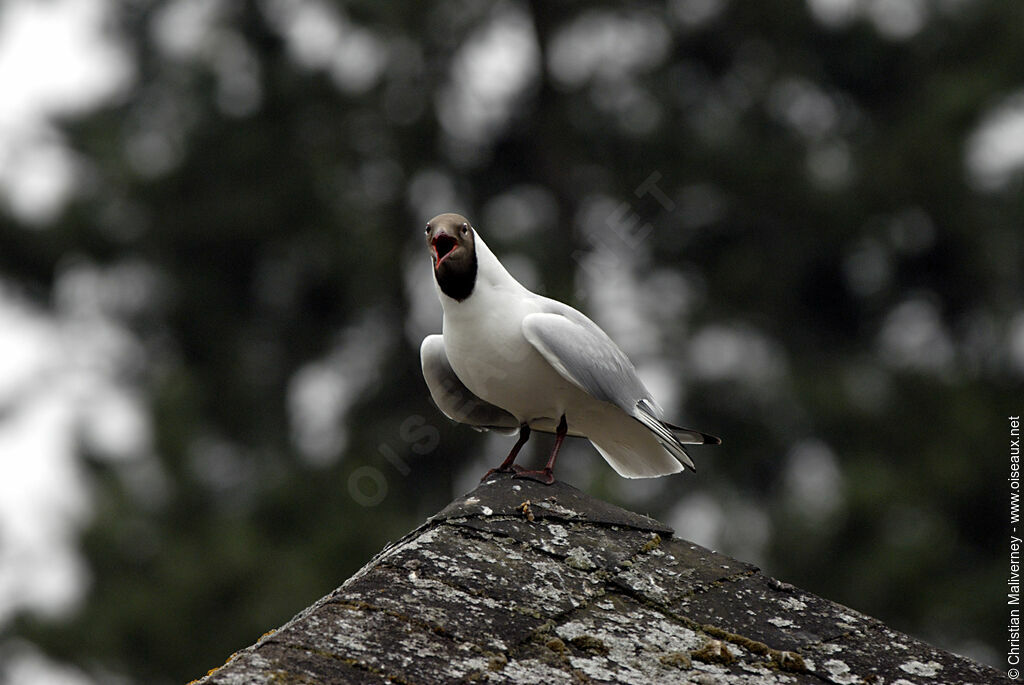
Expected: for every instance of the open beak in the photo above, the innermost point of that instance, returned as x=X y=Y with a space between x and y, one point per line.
x=443 y=245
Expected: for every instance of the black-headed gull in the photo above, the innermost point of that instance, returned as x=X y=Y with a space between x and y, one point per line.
x=508 y=360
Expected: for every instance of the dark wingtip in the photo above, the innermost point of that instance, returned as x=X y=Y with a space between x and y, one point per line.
x=712 y=440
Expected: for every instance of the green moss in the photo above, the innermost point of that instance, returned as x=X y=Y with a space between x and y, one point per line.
x=714 y=652
x=740 y=640
x=653 y=543
x=789 y=661
x=590 y=644
x=783 y=660
x=556 y=645
x=366 y=606
x=289 y=678
x=541 y=633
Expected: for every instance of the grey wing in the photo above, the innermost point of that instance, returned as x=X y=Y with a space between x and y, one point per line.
x=451 y=395
x=584 y=355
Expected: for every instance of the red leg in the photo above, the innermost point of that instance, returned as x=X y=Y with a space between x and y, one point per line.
x=508 y=466
x=547 y=475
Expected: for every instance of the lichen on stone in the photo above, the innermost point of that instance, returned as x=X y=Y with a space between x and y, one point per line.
x=579 y=558
x=584 y=594
x=927 y=670
x=676 y=659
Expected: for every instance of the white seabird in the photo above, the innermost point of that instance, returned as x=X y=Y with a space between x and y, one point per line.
x=510 y=359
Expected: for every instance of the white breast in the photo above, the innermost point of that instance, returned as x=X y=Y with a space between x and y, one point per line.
x=485 y=344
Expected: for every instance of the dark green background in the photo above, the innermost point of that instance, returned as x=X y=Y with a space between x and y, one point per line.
x=284 y=231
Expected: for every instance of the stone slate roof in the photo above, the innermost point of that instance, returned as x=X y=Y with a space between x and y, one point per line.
x=524 y=583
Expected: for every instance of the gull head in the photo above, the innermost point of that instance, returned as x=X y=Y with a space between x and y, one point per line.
x=451 y=242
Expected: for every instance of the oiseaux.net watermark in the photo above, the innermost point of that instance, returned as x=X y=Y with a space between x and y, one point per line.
x=1013 y=579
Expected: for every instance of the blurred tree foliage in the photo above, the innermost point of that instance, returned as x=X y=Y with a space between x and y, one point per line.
x=847 y=292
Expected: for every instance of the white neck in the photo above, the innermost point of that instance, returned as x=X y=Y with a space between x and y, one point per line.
x=490 y=271
x=491 y=278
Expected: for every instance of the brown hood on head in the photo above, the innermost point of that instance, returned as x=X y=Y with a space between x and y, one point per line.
x=450 y=239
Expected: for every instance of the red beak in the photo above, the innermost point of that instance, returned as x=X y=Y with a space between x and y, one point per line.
x=443 y=245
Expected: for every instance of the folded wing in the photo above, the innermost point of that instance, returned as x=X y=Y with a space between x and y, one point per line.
x=584 y=355
x=453 y=398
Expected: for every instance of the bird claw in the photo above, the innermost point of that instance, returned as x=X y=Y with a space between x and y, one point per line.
x=545 y=476
x=514 y=469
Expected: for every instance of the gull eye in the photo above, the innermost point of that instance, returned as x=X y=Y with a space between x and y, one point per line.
x=427 y=229
x=465 y=229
